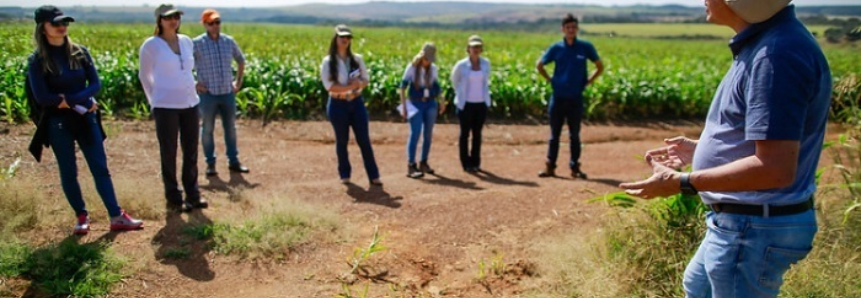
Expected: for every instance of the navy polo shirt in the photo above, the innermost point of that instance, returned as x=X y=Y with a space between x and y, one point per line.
x=570 y=75
x=778 y=88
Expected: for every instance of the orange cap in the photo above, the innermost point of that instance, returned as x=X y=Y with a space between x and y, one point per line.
x=209 y=15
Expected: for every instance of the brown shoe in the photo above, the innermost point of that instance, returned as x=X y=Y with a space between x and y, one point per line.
x=577 y=173
x=549 y=170
x=413 y=171
x=425 y=168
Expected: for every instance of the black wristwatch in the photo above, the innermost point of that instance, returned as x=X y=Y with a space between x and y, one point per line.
x=685 y=184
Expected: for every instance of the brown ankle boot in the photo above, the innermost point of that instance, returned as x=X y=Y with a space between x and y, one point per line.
x=425 y=168
x=413 y=171
x=549 y=170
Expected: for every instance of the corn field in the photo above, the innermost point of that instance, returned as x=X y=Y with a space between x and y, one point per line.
x=644 y=78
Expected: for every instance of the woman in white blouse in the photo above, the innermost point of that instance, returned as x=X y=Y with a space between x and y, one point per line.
x=166 y=61
x=344 y=75
x=471 y=80
x=419 y=91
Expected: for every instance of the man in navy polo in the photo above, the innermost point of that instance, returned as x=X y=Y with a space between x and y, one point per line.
x=568 y=82
x=755 y=163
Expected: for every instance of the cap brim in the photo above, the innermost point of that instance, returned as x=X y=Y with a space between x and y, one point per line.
x=475 y=43
x=63 y=18
x=172 y=12
x=345 y=34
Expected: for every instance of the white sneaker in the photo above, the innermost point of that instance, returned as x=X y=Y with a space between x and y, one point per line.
x=125 y=222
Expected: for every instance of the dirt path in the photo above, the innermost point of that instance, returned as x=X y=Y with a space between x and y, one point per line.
x=437 y=228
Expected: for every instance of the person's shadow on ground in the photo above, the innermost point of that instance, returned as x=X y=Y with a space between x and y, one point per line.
x=374 y=195
x=184 y=244
x=490 y=177
x=234 y=186
x=446 y=181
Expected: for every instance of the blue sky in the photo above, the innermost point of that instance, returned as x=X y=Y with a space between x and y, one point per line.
x=265 y=3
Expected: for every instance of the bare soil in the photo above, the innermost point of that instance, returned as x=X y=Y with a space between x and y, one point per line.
x=437 y=229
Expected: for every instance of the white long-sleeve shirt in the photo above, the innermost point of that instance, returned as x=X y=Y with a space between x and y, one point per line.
x=460 y=81
x=343 y=72
x=167 y=77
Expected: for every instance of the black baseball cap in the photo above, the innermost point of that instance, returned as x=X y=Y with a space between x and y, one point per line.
x=50 y=13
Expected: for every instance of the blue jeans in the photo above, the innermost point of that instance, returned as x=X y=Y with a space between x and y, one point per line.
x=562 y=110
x=746 y=256
x=224 y=105
x=62 y=142
x=346 y=114
x=425 y=118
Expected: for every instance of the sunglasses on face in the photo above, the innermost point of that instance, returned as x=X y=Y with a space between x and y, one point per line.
x=214 y=23
x=60 y=24
x=172 y=17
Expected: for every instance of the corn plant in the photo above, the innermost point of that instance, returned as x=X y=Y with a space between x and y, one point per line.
x=361 y=255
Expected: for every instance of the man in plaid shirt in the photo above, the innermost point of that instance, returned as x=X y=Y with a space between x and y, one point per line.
x=213 y=52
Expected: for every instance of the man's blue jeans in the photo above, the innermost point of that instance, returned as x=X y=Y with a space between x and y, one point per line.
x=346 y=114
x=225 y=106
x=562 y=110
x=62 y=142
x=424 y=119
x=746 y=256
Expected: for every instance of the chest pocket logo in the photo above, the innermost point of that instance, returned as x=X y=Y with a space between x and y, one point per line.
x=581 y=57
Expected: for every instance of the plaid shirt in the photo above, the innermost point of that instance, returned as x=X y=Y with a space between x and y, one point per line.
x=212 y=61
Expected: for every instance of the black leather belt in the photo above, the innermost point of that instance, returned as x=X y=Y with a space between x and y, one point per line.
x=759 y=210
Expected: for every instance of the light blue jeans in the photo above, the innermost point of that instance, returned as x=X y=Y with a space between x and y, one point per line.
x=421 y=124
x=224 y=105
x=746 y=256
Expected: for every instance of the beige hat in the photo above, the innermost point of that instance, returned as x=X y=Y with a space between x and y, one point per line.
x=166 y=10
x=428 y=52
x=474 y=40
x=756 y=11
x=343 y=30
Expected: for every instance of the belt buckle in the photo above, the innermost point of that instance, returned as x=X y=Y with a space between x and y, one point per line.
x=716 y=207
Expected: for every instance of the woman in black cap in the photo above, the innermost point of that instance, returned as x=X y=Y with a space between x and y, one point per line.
x=344 y=75
x=166 y=61
x=63 y=81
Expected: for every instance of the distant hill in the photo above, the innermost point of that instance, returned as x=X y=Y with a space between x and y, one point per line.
x=456 y=14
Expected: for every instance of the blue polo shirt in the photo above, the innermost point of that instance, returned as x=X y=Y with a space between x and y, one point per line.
x=570 y=75
x=778 y=88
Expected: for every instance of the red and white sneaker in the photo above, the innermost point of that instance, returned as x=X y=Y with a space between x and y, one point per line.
x=125 y=222
x=83 y=225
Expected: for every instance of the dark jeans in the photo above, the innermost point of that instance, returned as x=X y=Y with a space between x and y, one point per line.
x=63 y=143
x=560 y=111
x=225 y=106
x=168 y=124
x=343 y=115
x=472 y=119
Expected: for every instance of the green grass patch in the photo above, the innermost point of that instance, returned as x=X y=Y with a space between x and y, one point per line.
x=67 y=268
x=19 y=207
x=271 y=235
x=13 y=256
